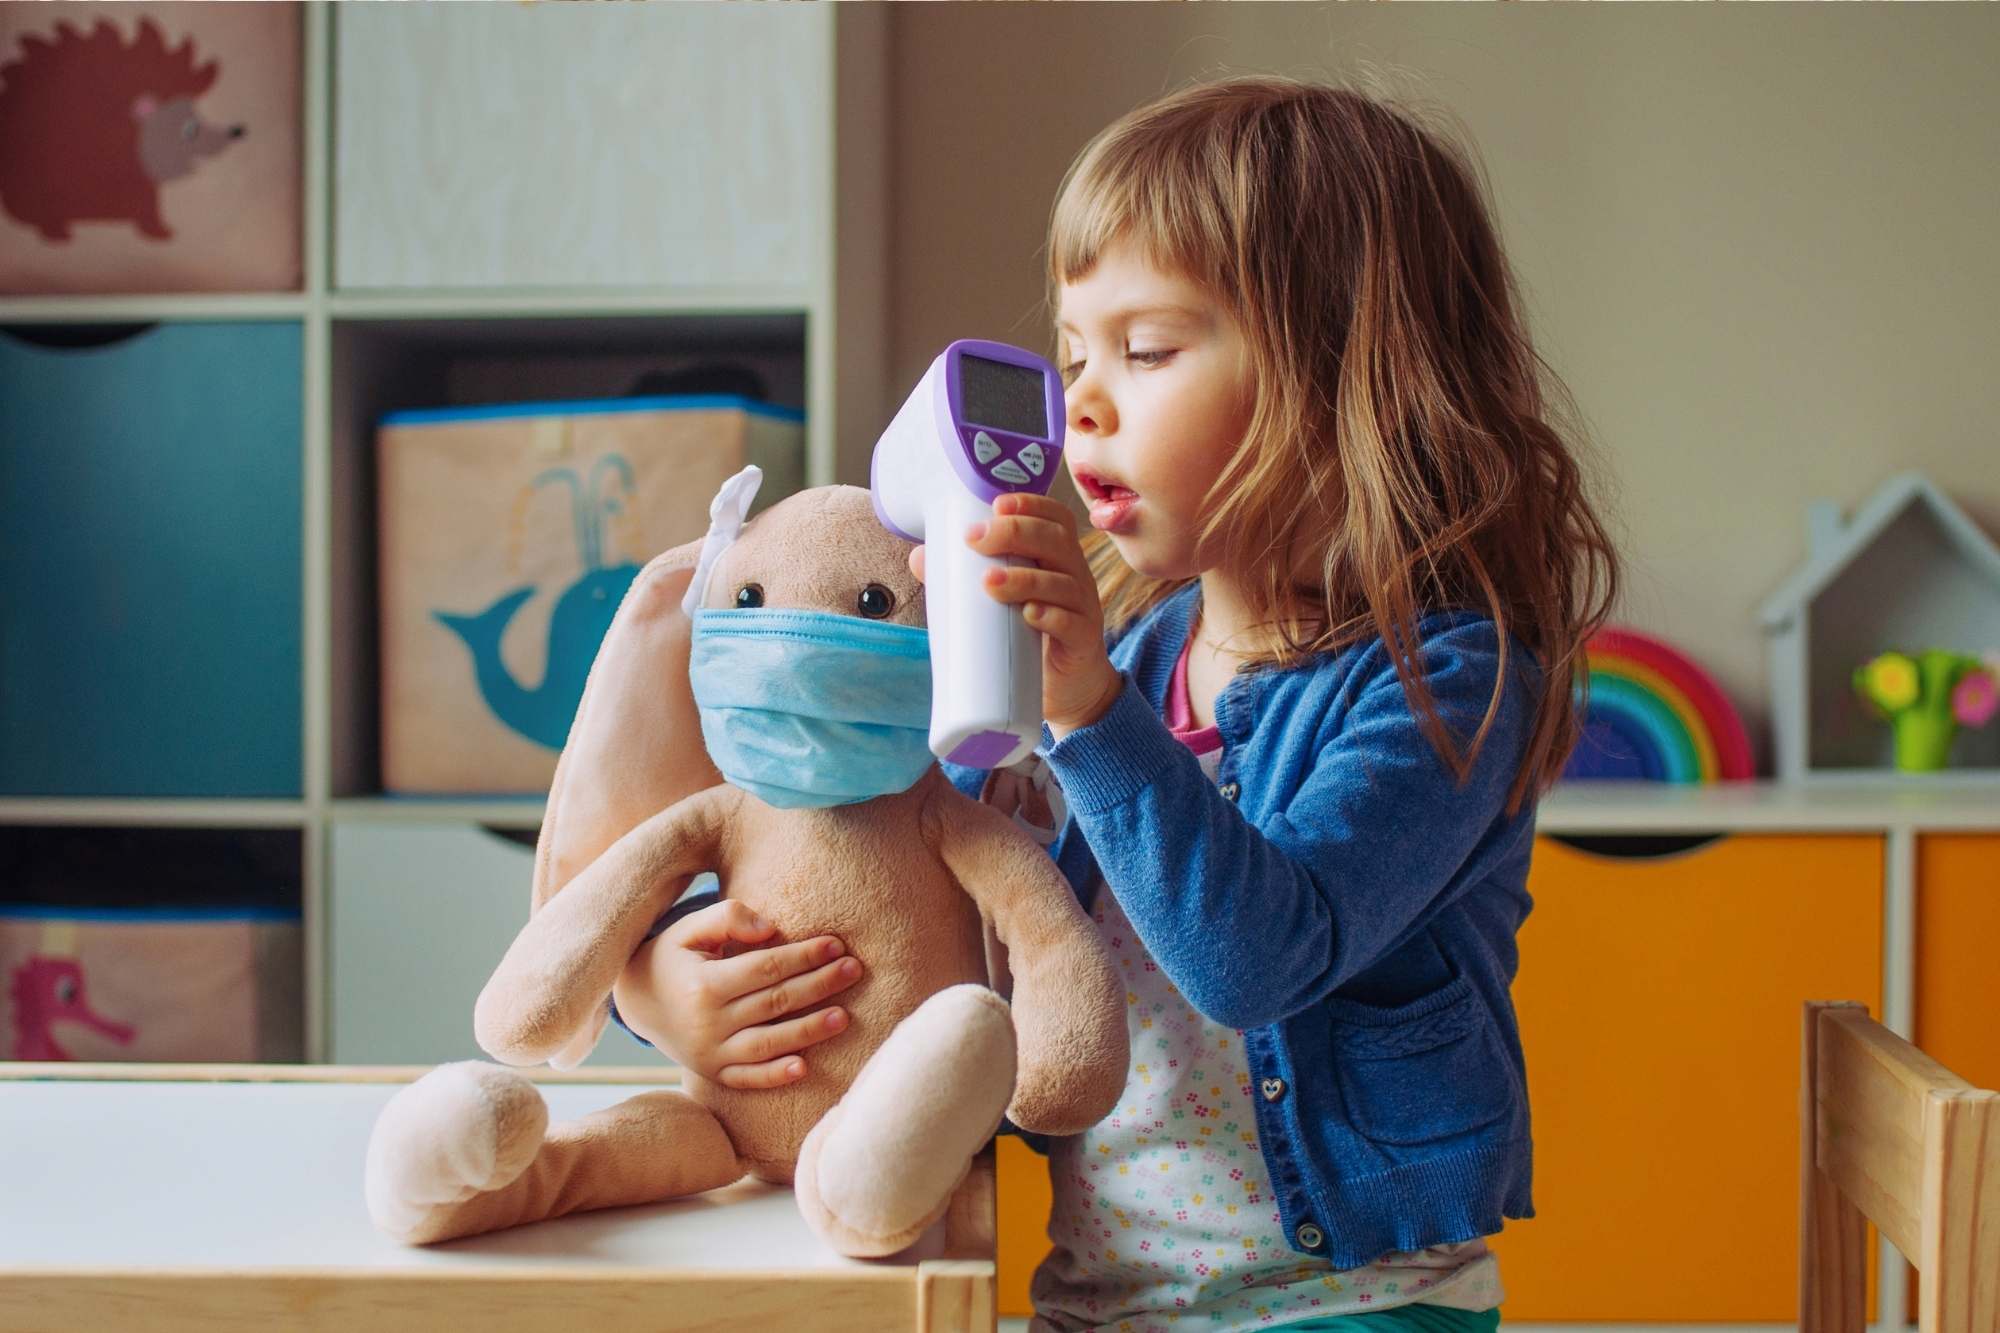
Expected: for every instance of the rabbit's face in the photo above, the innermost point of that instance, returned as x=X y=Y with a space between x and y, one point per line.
x=820 y=550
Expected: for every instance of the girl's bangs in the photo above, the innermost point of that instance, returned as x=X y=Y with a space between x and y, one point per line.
x=1088 y=217
x=1153 y=198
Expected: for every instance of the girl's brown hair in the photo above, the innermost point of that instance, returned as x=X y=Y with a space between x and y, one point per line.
x=1406 y=446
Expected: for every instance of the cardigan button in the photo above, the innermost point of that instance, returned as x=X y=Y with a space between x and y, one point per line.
x=1272 y=1088
x=1309 y=1236
x=1229 y=791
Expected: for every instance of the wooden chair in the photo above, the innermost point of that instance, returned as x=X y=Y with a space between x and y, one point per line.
x=1891 y=1136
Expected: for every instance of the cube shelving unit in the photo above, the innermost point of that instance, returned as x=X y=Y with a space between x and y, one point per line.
x=502 y=203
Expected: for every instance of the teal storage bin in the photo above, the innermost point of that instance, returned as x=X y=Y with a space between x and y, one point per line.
x=150 y=561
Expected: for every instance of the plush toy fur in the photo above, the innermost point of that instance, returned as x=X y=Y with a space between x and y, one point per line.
x=883 y=1128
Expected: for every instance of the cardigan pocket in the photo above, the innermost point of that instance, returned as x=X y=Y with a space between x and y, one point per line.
x=1423 y=1071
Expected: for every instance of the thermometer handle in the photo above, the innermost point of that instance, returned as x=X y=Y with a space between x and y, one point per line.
x=986 y=663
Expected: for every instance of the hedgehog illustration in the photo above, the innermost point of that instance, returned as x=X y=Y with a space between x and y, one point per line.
x=90 y=128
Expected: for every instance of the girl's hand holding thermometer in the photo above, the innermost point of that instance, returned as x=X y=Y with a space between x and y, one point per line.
x=1057 y=596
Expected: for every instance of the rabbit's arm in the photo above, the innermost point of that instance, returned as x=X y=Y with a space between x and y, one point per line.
x=1069 y=1008
x=553 y=981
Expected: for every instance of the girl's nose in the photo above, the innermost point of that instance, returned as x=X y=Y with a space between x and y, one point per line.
x=1090 y=410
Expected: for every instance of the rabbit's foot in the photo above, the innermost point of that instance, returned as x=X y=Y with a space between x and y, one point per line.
x=882 y=1165
x=459 y=1131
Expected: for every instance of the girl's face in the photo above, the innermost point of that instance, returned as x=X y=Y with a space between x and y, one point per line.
x=1158 y=401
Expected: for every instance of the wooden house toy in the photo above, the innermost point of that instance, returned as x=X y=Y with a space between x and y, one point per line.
x=1907 y=571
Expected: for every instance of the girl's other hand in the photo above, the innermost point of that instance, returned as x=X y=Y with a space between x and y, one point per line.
x=732 y=1013
x=1057 y=596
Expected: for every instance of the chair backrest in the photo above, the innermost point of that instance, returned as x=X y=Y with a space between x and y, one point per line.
x=1891 y=1136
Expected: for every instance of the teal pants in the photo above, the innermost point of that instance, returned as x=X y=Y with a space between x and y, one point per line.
x=1403 y=1319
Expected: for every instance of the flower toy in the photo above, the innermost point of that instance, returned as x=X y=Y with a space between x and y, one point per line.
x=1926 y=697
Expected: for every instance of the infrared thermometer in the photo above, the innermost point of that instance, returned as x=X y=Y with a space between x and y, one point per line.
x=985 y=419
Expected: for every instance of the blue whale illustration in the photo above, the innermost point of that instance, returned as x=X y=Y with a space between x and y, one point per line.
x=581 y=618
x=582 y=615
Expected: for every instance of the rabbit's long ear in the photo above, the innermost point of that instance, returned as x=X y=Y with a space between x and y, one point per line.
x=635 y=746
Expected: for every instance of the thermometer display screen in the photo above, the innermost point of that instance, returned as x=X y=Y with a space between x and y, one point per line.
x=1003 y=397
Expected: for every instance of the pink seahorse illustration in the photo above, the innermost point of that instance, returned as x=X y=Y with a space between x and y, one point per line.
x=47 y=991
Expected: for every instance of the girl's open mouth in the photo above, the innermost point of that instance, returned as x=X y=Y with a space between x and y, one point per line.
x=1111 y=503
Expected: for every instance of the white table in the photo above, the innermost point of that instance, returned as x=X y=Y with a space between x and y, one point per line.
x=174 y=1197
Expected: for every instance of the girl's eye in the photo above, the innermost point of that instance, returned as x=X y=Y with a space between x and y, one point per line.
x=876 y=601
x=749 y=595
x=1152 y=358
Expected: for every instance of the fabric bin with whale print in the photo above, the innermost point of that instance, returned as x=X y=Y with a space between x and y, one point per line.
x=508 y=536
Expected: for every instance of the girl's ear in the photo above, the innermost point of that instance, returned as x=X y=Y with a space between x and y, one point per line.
x=635 y=747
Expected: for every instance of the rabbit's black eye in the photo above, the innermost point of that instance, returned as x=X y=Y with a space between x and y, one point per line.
x=749 y=595
x=876 y=601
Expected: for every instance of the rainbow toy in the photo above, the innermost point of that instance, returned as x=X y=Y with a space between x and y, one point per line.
x=1653 y=715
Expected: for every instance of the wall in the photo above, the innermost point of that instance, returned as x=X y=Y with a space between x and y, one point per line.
x=1756 y=241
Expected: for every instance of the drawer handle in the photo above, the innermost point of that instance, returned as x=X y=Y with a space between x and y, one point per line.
x=1635 y=846
x=75 y=337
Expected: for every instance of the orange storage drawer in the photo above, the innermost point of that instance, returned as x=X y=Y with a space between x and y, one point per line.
x=1958 y=954
x=1021 y=1177
x=1958 y=945
x=1659 y=1000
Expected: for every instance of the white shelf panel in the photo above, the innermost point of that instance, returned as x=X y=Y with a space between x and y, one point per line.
x=152 y=309
x=458 y=159
x=175 y=813
x=1573 y=808
x=508 y=812
x=161 y=1206
x=492 y=303
x=1769 y=807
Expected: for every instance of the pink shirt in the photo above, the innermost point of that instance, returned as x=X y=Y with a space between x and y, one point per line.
x=1180 y=710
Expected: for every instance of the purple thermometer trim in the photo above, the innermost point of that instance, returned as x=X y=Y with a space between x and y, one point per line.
x=983 y=749
x=952 y=412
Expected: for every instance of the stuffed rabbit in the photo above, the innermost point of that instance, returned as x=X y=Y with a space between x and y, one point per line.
x=759 y=709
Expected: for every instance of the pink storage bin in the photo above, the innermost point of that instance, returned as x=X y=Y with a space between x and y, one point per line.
x=156 y=944
x=136 y=985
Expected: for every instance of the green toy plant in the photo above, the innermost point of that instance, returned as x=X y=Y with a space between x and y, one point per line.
x=1926 y=697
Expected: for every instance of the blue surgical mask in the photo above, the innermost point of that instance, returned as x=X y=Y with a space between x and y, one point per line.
x=806 y=708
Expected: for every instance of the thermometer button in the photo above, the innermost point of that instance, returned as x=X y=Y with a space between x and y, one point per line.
x=1010 y=471
x=984 y=448
x=1032 y=458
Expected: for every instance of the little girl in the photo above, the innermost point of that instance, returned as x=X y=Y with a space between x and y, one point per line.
x=1303 y=686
